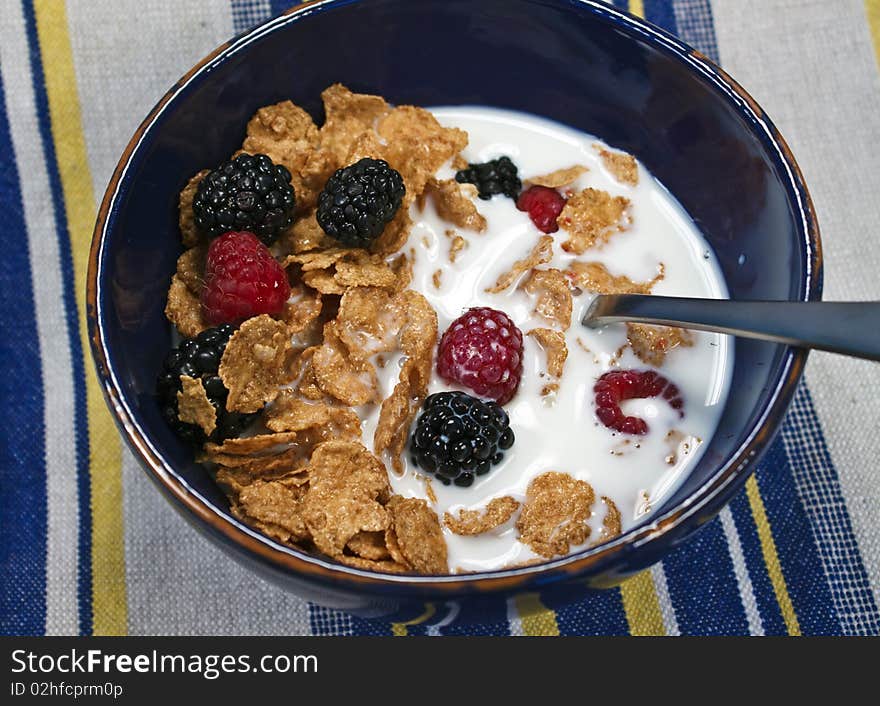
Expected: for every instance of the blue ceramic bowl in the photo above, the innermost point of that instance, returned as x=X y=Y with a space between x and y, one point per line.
x=580 y=63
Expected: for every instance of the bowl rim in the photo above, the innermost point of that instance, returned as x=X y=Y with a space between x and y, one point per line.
x=701 y=505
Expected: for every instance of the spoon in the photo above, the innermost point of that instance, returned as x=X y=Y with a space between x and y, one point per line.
x=851 y=328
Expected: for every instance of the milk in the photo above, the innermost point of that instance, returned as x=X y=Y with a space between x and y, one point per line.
x=561 y=432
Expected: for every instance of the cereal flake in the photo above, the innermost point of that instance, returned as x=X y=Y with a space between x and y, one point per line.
x=555 y=514
x=417 y=146
x=554 y=295
x=652 y=343
x=419 y=536
x=287 y=135
x=559 y=178
x=276 y=507
x=191 y=268
x=591 y=217
x=348 y=116
x=621 y=165
x=184 y=309
x=611 y=526
x=471 y=522
x=346 y=485
x=456 y=246
x=540 y=255
x=454 y=205
x=292 y=413
x=189 y=234
x=595 y=277
x=248 y=445
x=553 y=343
x=253 y=364
x=193 y=405
x=418 y=337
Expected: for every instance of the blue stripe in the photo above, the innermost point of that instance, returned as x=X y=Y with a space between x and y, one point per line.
x=661 y=14
x=81 y=438
x=765 y=596
x=279 y=6
x=702 y=585
x=801 y=566
x=326 y=621
x=621 y=4
x=818 y=487
x=22 y=443
x=696 y=26
x=480 y=616
x=600 y=613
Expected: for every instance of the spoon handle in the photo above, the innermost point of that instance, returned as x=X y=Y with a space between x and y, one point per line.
x=851 y=328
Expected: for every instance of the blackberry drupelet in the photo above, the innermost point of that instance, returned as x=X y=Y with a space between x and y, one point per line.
x=498 y=176
x=359 y=200
x=199 y=357
x=250 y=193
x=458 y=437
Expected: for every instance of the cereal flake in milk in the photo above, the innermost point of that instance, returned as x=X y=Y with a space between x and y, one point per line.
x=558 y=430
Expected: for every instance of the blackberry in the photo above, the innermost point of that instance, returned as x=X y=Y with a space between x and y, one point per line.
x=458 y=437
x=199 y=357
x=498 y=176
x=250 y=193
x=358 y=200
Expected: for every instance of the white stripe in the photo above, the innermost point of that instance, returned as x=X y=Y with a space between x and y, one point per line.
x=179 y=583
x=667 y=611
x=740 y=570
x=513 y=620
x=52 y=331
x=123 y=71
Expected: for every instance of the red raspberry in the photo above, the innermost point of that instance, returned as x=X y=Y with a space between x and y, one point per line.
x=614 y=387
x=482 y=350
x=543 y=205
x=242 y=280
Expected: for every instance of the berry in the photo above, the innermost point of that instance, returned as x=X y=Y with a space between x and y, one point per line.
x=482 y=350
x=495 y=177
x=199 y=357
x=358 y=200
x=458 y=437
x=614 y=387
x=242 y=280
x=543 y=205
x=249 y=192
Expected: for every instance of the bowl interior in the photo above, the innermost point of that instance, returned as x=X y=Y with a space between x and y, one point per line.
x=562 y=59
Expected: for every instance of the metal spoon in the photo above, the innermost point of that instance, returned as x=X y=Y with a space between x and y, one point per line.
x=851 y=328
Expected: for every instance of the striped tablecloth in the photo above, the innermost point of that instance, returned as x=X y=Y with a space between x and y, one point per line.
x=88 y=546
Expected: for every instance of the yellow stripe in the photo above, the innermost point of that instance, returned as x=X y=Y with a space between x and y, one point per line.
x=399 y=629
x=637 y=7
x=641 y=605
x=771 y=558
x=536 y=618
x=105 y=462
x=872 y=10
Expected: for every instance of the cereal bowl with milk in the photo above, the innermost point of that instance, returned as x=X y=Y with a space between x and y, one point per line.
x=640 y=167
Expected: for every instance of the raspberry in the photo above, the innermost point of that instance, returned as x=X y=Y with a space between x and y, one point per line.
x=614 y=387
x=498 y=176
x=199 y=357
x=242 y=280
x=458 y=437
x=482 y=350
x=543 y=205
x=359 y=200
x=250 y=193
